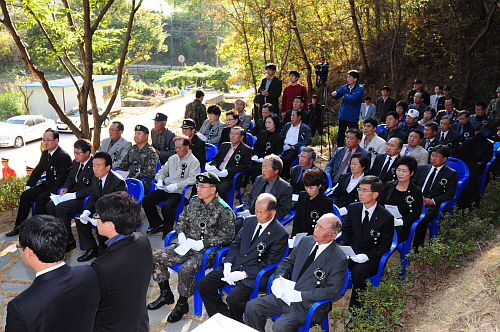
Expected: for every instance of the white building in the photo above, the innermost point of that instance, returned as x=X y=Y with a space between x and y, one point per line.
x=66 y=95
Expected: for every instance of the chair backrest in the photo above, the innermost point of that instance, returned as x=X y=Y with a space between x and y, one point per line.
x=462 y=172
x=211 y=151
x=250 y=140
x=158 y=167
x=328 y=181
x=135 y=189
x=380 y=127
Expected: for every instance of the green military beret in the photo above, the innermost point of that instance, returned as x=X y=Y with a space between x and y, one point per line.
x=208 y=177
x=142 y=128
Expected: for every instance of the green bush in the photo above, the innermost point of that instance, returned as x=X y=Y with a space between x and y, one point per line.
x=11 y=103
x=173 y=91
x=10 y=191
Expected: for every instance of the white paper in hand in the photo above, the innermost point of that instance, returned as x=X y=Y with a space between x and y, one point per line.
x=393 y=209
x=255 y=158
x=171 y=187
x=182 y=249
x=295 y=197
x=276 y=288
x=123 y=174
x=223 y=173
x=202 y=137
x=343 y=211
x=244 y=214
x=398 y=222
x=348 y=250
x=210 y=168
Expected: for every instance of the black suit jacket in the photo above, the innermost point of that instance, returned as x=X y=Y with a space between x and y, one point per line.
x=304 y=134
x=468 y=131
x=444 y=186
x=114 y=182
x=259 y=126
x=245 y=257
x=224 y=136
x=199 y=150
x=49 y=303
x=268 y=143
x=281 y=190
x=305 y=117
x=340 y=196
x=123 y=271
x=452 y=140
x=274 y=91
x=378 y=164
x=298 y=186
x=57 y=169
x=385 y=107
x=83 y=187
x=308 y=209
x=240 y=159
x=364 y=242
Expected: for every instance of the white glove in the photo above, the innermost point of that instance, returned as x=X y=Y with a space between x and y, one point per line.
x=286 y=147
x=172 y=187
x=227 y=269
x=84 y=217
x=28 y=187
x=181 y=238
x=261 y=160
x=343 y=211
x=183 y=248
x=93 y=221
x=276 y=288
x=234 y=277
x=159 y=183
x=255 y=158
x=290 y=296
x=398 y=222
x=244 y=213
x=223 y=173
x=196 y=245
x=360 y=258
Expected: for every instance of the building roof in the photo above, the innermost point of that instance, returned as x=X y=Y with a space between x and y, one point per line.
x=67 y=82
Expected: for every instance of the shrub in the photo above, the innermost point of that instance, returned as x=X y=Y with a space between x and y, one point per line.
x=173 y=91
x=10 y=191
x=11 y=103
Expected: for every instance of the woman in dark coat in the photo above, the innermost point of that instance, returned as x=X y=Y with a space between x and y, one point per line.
x=347 y=189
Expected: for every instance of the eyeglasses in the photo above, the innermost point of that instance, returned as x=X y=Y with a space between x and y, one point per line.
x=19 y=246
x=363 y=190
x=78 y=153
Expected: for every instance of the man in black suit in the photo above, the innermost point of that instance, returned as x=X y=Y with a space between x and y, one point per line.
x=124 y=268
x=368 y=229
x=78 y=186
x=318 y=270
x=49 y=303
x=448 y=136
x=260 y=125
x=306 y=161
x=385 y=104
x=261 y=242
x=438 y=183
x=271 y=87
x=233 y=157
x=296 y=135
x=463 y=127
x=105 y=181
x=392 y=129
x=430 y=139
x=383 y=166
x=56 y=163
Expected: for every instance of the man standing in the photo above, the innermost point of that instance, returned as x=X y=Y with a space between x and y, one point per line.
x=463 y=127
x=56 y=164
x=414 y=149
x=448 y=136
x=367 y=109
x=383 y=166
x=178 y=172
x=207 y=221
x=316 y=116
x=123 y=268
x=296 y=135
x=196 y=110
x=116 y=145
x=198 y=148
x=318 y=270
x=105 y=181
x=49 y=303
x=293 y=90
x=385 y=103
x=417 y=87
x=140 y=161
x=437 y=99
x=368 y=229
x=353 y=93
x=261 y=242
x=306 y=161
x=449 y=110
x=480 y=116
x=494 y=106
x=78 y=186
x=447 y=95
x=371 y=142
x=271 y=86
x=162 y=138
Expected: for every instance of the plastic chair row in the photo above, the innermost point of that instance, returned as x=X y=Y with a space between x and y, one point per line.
x=484 y=177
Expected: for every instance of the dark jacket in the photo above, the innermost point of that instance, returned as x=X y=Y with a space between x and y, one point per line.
x=340 y=196
x=304 y=134
x=306 y=217
x=268 y=143
x=167 y=147
x=274 y=91
x=281 y=190
x=56 y=169
x=114 y=182
x=379 y=163
x=240 y=159
x=83 y=187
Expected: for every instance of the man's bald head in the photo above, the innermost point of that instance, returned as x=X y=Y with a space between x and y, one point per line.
x=326 y=229
x=265 y=207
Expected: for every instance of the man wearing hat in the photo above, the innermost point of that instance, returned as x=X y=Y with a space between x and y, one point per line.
x=178 y=172
x=197 y=144
x=162 y=138
x=494 y=107
x=411 y=121
x=447 y=95
x=385 y=104
x=140 y=161
x=207 y=221
x=417 y=87
x=115 y=144
x=196 y=110
x=6 y=170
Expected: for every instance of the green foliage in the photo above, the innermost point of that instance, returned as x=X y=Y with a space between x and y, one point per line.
x=199 y=74
x=316 y=140
x=10 y=191
x=11 y=103
x=173 y=91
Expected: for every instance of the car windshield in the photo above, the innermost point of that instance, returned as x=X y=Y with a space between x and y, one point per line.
x=73 y=112
x=15 y=121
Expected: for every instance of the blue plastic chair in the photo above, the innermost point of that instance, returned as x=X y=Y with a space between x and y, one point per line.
x=295 y=162
x=250 y=140
x=328 y=182
x=462 y=178
x=198 y=303
x=230 y=194
x=135 y=189
x=211 y=151
x=158 y=167
x=380 y=127
x=287 y=218
x=484 y=177
x=404 y=247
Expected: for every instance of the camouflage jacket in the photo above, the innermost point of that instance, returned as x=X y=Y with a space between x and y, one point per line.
x=494 y=109
x=140 y=163
x=197 y=111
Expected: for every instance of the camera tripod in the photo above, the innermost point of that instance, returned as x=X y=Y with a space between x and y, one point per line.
x=323 y=100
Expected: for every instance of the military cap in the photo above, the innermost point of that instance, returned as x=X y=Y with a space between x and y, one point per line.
x=5 y=160
x=188 y=124
x=160 y=117
x=28 y=168
x=413 y=113
x=142 y=128
x=208 y=177
x=498 y=89
x=417 y=81
x=385 y=87
x=447 y=88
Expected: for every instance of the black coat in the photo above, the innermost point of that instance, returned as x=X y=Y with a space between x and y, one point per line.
x=274 y=91
x=468 y=132
x=306 y=217
x=199 y=150
x=340 y=196
x=56 y=170
x=83 y=187
x=378 y=164
x=240 y=159
x=114 y=182
x=298 y=186
x=451 y=140
x=262 y=148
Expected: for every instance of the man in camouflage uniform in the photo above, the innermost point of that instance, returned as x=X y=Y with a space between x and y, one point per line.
x=207 y=221
x=494 y=107
x=141 y=159
x=196 y=110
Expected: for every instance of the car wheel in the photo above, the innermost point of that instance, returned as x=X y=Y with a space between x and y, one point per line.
x=18 y=142
x=105 y=123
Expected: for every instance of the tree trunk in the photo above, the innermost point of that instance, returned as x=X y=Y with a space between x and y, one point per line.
x=303 y=54
x=359 y=41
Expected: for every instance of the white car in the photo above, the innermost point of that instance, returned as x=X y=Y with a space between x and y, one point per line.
x=74 y=115
x=23 y=128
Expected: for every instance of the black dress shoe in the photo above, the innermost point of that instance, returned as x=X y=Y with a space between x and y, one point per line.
x=154 y=230
x=88 y=255
x=13 y=232
x=164 y=298
x=178 y=312
x=70 y=246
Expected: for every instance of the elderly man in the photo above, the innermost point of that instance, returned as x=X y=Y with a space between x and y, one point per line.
x=207 y=221
x=123 y=269
x=306 y=161
x=430 y=141
x=261 y=242
x=245 y=119
x=318 y=270
x=418 y=104
x=196 y=110
x=448 y=136
x=383 y=166
x=414 y=149
x=140 y=161
x=340 y=162
x=49 y=303
x=197 y=144
x=371 y=142
x=56 y=164
x=299 y=103
x=115 y=144
x=232 y=158
x=77 y=187
x=178 y=172
x=162 y=138
x=449 y=110
x=463 y=127
x=296 y=135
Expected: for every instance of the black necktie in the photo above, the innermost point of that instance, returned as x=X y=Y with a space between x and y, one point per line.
x=256 y=235
x=78 y=172
x=366 y=220
x=263 y=190
x=100 y=187
x=429 y=182
x=383 y=172
x=308 y=261
x=442 y=137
